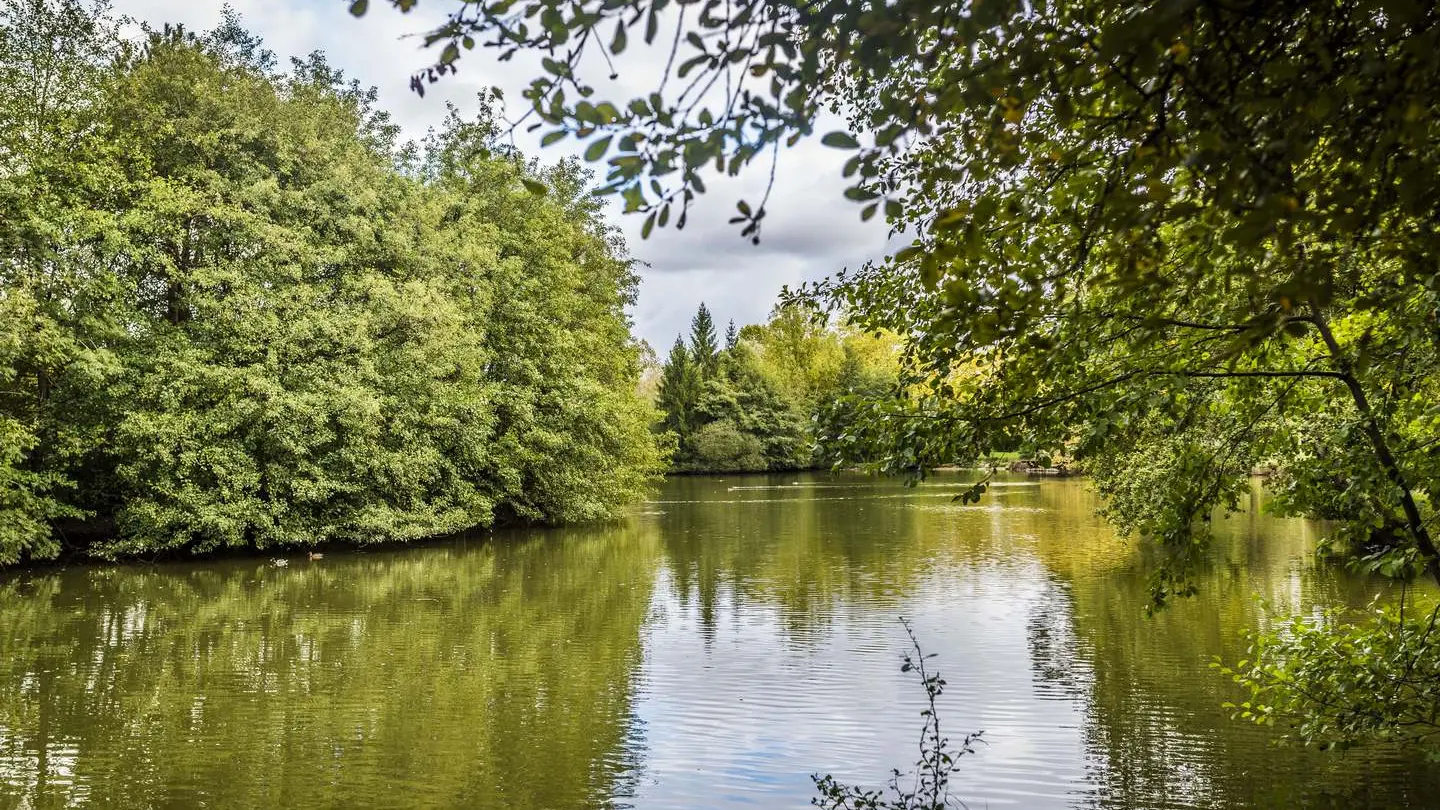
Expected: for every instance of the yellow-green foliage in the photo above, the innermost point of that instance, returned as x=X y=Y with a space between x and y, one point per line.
x=755 y=406
x=810 y=358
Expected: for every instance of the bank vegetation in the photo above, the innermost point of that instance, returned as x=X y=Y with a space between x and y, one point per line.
x=240 y=312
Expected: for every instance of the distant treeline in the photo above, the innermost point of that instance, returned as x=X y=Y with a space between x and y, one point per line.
x=238 y=312
x=760 y=400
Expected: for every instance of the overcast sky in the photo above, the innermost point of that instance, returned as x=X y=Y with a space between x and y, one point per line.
x=811 y=231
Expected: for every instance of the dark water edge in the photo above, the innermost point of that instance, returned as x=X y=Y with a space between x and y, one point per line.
x=73 y=554
x=734 y=636
x=78 y=536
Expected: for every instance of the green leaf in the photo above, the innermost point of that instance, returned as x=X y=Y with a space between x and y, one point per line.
x=909 y=253
x=840 y=140
x=597 y=149
x=534 y=186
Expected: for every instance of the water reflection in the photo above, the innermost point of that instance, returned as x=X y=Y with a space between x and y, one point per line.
x=1155 y=730
x=734 y=637
x=458 y=676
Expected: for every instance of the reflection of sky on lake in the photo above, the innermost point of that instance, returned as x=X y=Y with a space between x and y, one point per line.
x=752 y=681
x=712 y=652
x=744 y=716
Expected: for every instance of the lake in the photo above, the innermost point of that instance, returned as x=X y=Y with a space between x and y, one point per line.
x=735 y=636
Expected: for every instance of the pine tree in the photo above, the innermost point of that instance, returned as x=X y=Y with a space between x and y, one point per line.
x=679 y=391
x=702 y=342
x=732 y=336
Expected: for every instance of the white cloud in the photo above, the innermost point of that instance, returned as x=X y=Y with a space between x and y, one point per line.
x=810 y=230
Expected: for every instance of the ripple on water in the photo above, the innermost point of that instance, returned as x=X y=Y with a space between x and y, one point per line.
x=734 y=638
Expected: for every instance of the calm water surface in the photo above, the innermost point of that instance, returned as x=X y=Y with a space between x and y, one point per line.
x=734 y=637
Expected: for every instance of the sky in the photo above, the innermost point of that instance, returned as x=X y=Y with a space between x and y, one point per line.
x=811 y=231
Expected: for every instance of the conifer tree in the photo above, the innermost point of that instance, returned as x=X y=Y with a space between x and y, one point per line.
x=702 y=342
x=679 y=390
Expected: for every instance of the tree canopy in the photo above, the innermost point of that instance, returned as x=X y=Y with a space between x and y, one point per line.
x=240 y=313
x=761 y=402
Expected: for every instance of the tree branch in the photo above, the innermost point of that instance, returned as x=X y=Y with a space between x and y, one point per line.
x=1386 y=458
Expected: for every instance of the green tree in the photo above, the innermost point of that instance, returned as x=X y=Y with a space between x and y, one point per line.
x=771 y=385
x=303 y=422
x=703 y=349
x=732 y=414
x=744 y=396
x=251 y=318
x=679 y=392
x=800 y=353
x=55 y=353
x=814 y=358
x=721 y=446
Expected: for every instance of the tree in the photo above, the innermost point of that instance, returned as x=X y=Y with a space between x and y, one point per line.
x=702 y=342
x=253 y=319
x=726 y=416
x=679 y=392
x=800 y=353
x=1169 y=240
x=772 y=384
x=721 y=446
x=54 y=356
x=749 y=399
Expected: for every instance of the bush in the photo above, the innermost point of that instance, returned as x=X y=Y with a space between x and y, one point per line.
x=722 y=447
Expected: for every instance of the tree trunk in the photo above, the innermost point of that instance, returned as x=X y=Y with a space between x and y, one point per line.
x=1376 y=435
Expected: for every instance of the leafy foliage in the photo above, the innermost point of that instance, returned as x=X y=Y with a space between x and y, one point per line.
x=751 y=406
x=720 y=446
x=702 y=342
x=1182 y=103
x=250 y=318
x=929 y=787
x=679 y=391
x=1334 y=682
